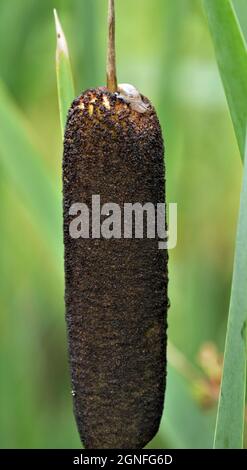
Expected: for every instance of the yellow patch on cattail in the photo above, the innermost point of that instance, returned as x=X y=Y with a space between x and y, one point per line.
x=106 y=102
x=90 y=109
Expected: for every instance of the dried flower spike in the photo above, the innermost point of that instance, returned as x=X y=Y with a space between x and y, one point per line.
x=116 y=288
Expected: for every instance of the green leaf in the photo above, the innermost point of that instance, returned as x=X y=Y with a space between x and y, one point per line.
x=231 y=54
x=230 y=420
x=65 y=84
x=25 y=168
x=240 y=6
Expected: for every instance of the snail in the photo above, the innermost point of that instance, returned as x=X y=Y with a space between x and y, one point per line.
x=130 y=95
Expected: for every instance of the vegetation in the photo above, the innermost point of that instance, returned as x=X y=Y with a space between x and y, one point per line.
x=173 y=64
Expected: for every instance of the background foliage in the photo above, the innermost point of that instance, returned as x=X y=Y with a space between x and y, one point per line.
x=164 y=48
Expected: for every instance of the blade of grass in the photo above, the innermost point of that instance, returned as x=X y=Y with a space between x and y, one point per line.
x=231 y=54
x=240 y=6
x=65 y=84
x=231 y=410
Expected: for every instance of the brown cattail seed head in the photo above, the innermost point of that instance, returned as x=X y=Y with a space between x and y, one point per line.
x=116 y=289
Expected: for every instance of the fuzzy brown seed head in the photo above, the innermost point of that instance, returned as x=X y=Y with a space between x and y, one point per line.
x=116 y=289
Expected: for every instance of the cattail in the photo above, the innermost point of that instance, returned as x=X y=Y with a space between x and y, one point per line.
x=116 y=288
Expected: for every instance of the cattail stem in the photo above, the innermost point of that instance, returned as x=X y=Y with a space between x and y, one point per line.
x=111 y=50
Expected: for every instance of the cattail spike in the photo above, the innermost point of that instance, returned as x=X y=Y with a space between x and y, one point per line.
x=115 y=286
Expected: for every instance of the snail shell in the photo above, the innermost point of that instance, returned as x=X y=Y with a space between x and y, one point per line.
x=129 y=94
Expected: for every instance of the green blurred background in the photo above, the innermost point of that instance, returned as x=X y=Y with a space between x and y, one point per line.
x=163 y=48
